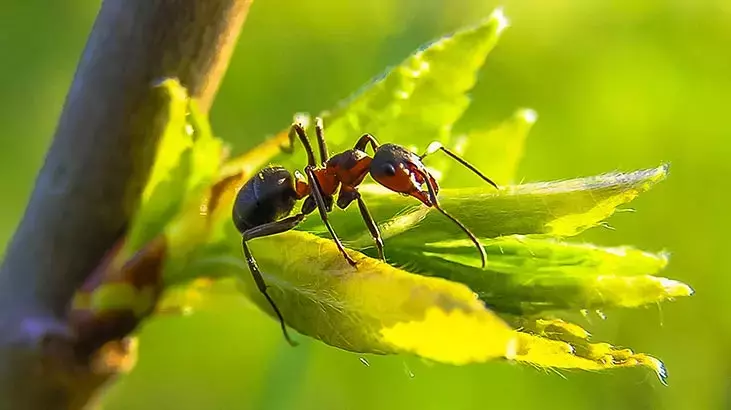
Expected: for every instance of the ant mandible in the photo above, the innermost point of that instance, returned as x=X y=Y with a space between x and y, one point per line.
x=263 y=203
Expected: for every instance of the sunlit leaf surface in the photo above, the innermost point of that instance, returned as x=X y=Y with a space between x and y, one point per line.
x=559 y=208
x=188 y=157
x=527 y=275
x=375 y=308
x=496 y=151
x=562 y=345
x=418 y=100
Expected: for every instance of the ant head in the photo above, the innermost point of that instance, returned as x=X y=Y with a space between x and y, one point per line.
x=402 y=171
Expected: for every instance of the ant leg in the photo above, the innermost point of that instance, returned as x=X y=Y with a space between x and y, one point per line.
x=316 y=192
x=473 y=238
x=297 y=130
x=372 y=227
x=271 y=228
x=364 y=140
x=256 y=274
x=319 y=131
x=436 y=145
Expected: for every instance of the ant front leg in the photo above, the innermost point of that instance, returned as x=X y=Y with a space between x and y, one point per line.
x=295 y=131
x=271 y=228
x=316 y=192
x=320 y=133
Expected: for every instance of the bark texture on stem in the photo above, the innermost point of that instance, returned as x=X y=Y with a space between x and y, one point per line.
x=94 y=172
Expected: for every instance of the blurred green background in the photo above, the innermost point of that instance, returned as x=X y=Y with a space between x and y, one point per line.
x=617 y=85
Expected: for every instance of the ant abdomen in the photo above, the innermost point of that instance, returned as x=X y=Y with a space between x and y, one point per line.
x=267 y=197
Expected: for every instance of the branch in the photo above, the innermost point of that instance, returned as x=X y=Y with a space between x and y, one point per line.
x=94 y=173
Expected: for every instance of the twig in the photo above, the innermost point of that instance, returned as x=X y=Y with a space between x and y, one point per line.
x=94 y=173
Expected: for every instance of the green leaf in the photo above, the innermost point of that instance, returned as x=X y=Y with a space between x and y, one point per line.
x=206 y=151
x=165 y=188
x=380 y=309
x=526 y=275
x=495 y=151
x=419 y=100
x=559 y=208
x=375 y=308
x=188 y=157
x=552 y=343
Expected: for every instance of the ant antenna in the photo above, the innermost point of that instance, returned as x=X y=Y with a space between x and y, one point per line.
x=473 y=238
x=436 y=146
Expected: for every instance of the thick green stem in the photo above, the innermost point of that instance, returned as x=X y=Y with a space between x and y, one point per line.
x=93 y=176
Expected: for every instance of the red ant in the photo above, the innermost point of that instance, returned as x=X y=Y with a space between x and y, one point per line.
x=263 y=203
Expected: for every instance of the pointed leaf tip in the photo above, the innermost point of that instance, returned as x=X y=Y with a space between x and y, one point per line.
x=498 y=15
x=419 y=100
x=559 y=344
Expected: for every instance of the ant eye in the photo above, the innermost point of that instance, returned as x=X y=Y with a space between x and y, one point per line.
x=388 y=169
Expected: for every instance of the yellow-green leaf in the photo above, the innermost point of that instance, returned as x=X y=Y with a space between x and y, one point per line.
x=528 y=275
x=418 y=100
x=188 y=157
x=558 y=208
x=495 y=151
x=375 y=308
x=558 y=344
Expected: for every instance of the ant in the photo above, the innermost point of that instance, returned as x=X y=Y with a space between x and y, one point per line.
x=264 y=202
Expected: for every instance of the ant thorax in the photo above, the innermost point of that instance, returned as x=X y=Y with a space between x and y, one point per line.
x=349 y=167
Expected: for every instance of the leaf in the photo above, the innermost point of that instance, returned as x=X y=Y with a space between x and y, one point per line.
x=165 y=188
x=551 y=343
x=188 y=156
x=380 y=309
x=375 y=308
x=527 y=275
x=420 y=99
x=495 y=151
x=559 y=208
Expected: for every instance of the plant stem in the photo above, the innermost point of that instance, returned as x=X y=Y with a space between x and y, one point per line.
x=93 y=175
